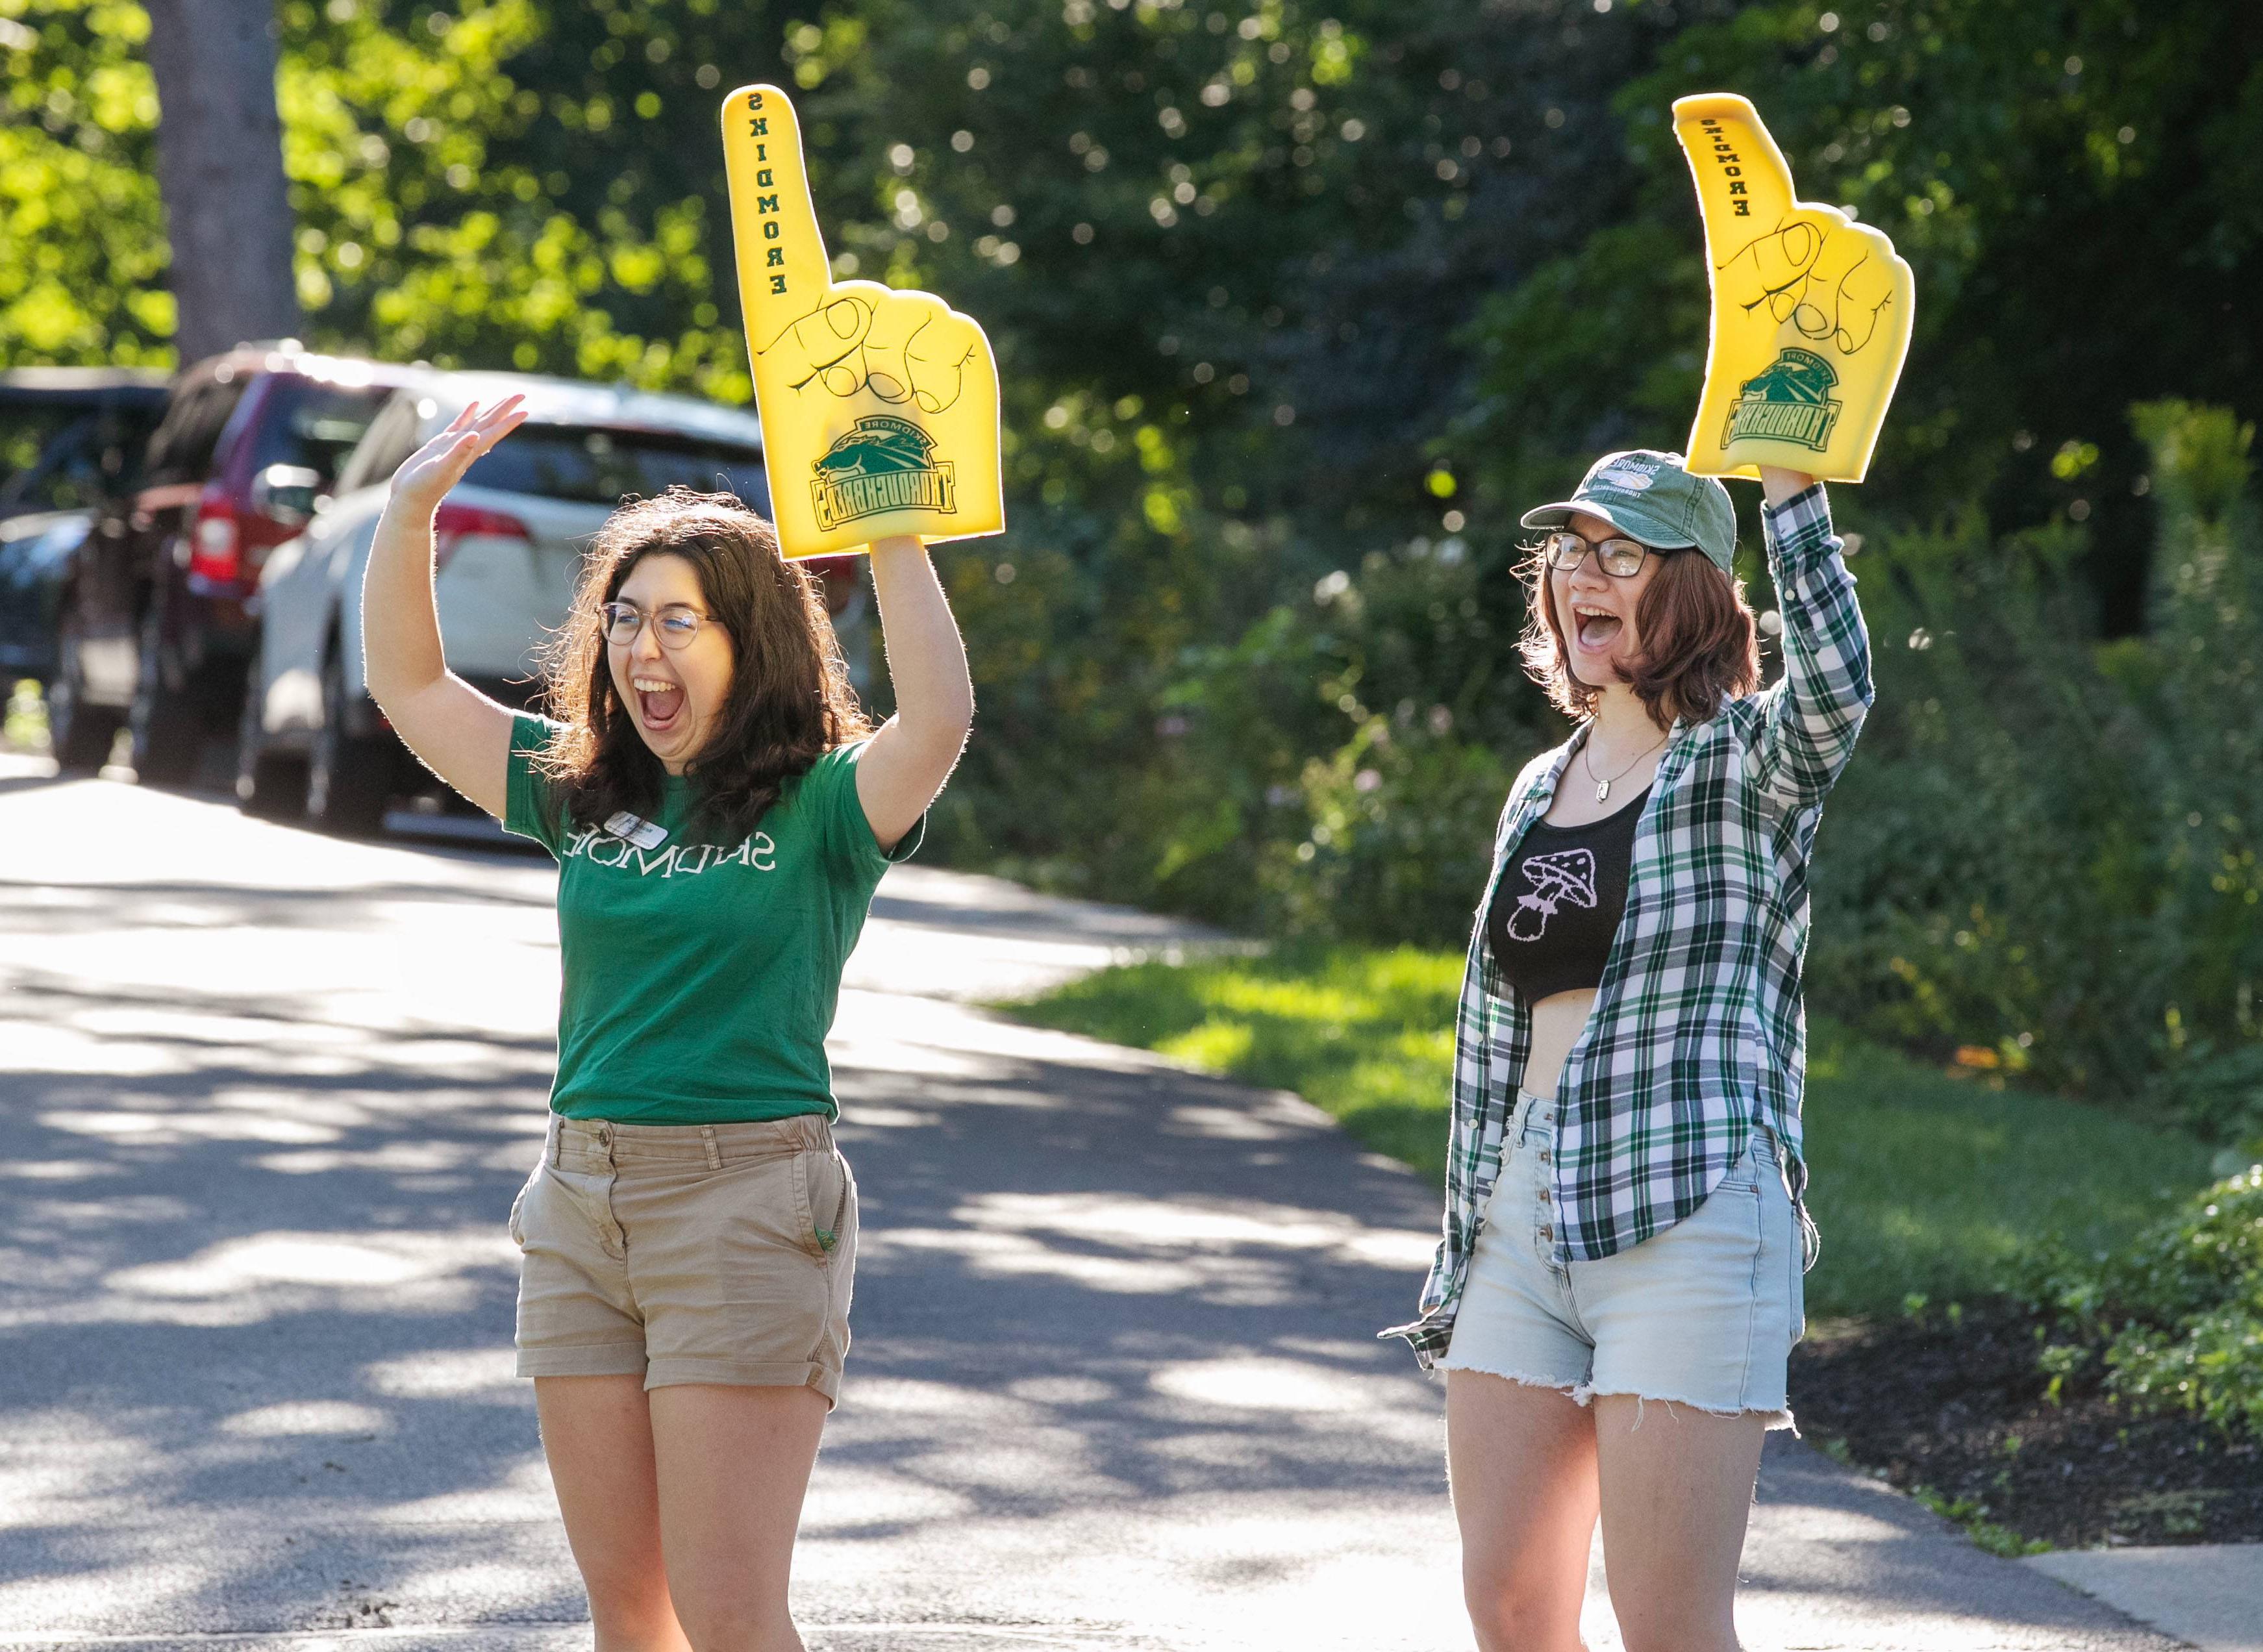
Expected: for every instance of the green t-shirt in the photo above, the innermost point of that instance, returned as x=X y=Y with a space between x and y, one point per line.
x=701 y=978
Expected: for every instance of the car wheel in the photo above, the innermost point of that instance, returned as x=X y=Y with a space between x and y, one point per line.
x=350 y=777
x=270 y=785
x=80 y=734
x=167 y=734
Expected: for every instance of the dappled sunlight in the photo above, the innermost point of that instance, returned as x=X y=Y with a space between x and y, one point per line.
x=60 y=1170
x=177 y=1127
x=1005 y=1255
x=1161 y=1223
x=1265 y=1384
x=415 y=1161
x=308 y=1417
x=448 y=1374
x=521 y=1492
x=266 y=1131
x=843 y=1501
x=415 y=1272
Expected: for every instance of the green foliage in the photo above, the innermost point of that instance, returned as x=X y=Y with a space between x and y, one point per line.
x=2045 y=850
x=82 y=254
x=1925 y=1187
x=1298 y=306
x=2187 y=1298
x=2016 y=154
x=1972 y=1515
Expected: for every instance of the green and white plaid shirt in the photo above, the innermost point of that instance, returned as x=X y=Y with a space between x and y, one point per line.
x=1697 y=1031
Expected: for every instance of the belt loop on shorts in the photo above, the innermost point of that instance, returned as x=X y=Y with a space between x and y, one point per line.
x=707 y=1141
x=552 y=1149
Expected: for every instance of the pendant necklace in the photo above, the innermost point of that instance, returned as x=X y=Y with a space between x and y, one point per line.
x=1603 y=787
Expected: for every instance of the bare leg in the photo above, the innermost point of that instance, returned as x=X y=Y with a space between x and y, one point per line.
x=597 y=1432
x=1523 y=1460
x=1677 y=1490
x=733 y=1465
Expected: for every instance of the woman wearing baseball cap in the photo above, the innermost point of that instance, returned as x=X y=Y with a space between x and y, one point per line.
x=1618 y=1287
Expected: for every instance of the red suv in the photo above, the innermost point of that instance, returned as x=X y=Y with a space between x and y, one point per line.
x=154 y=631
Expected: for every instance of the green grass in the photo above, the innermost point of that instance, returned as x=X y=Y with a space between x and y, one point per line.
x=1923 y=1185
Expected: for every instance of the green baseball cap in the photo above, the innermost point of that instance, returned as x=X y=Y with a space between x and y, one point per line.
x=1648 y=496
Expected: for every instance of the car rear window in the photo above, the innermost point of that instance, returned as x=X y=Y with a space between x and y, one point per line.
x=182 y=448
x=595 y=466
x=314 y=424
x=94 y=458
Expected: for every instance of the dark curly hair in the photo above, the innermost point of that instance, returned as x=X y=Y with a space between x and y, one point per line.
x=789 y=700
x=1700 y=643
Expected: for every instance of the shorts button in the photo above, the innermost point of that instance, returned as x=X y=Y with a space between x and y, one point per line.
x=604 y=1137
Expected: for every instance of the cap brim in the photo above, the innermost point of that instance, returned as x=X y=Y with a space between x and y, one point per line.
x=1631 y=523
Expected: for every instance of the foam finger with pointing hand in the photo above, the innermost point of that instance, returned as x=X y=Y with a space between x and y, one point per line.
x=1811 y=310
x=879 y=408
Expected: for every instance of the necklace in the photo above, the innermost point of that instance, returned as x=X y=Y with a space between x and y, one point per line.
x=1603 y=786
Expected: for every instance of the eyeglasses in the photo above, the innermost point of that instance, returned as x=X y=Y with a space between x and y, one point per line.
x=677 y=627
x=1621 y=559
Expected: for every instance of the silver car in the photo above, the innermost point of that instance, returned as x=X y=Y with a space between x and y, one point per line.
x=510 y=542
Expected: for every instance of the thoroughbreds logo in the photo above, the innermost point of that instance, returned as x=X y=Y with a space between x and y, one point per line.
x=884 y=464
x=1788 y=401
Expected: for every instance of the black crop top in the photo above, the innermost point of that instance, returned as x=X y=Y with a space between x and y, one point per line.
x=1559 y=900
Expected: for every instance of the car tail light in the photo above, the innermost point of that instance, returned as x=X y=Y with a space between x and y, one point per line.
x=215 y=539
x=839 y=574
x=453 y=524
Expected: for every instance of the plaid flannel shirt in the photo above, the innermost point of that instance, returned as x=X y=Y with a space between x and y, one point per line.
x=1697 y=1031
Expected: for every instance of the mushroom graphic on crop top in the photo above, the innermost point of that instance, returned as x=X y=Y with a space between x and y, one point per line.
x=1566 y=877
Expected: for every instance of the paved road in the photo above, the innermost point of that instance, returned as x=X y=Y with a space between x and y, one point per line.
x=265 y=1098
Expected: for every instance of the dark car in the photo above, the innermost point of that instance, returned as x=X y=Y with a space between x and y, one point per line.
x=71 y=436
x=152 y=629
x=37 y=550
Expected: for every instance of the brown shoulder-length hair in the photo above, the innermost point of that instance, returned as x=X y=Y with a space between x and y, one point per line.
x=790 y=701
x=1700 y=644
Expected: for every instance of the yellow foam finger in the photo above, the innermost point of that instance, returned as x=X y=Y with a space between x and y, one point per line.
x=1811 y=312
x=879 y=408
x=941 y=357
x=827 y=344
x=783 y=273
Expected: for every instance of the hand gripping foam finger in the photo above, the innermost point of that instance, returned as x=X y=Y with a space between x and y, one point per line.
x=879 y=408
x=1811 y=310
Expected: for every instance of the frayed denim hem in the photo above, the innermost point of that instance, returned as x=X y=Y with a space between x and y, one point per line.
x=1770 y=1421
x=1576 y=1391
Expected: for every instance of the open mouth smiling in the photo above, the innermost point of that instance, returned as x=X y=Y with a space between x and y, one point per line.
x=660 y=702
x=1595 y=628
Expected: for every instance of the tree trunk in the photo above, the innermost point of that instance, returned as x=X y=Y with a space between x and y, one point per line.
x=220 y=166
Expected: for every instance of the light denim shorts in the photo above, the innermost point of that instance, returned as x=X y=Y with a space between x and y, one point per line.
x=1703 y=1313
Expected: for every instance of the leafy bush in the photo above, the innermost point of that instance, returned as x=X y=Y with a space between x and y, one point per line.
x=2044 y=854
x=1334 y=772
x=2041 y=863
x=2183 y=1308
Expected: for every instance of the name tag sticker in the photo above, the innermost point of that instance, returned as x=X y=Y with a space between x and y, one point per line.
x=642 y=833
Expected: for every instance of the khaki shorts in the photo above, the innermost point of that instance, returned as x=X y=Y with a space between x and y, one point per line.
x=688 y=1253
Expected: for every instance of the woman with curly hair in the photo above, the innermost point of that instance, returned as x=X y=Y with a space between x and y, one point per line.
x=721 y=812
x=1618 y=1289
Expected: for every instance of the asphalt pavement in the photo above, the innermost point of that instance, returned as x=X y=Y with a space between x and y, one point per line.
x=266 y=1097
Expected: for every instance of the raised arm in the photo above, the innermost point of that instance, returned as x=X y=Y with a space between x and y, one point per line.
x=903 y=770
x=1812 y=716
x=455 y=731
